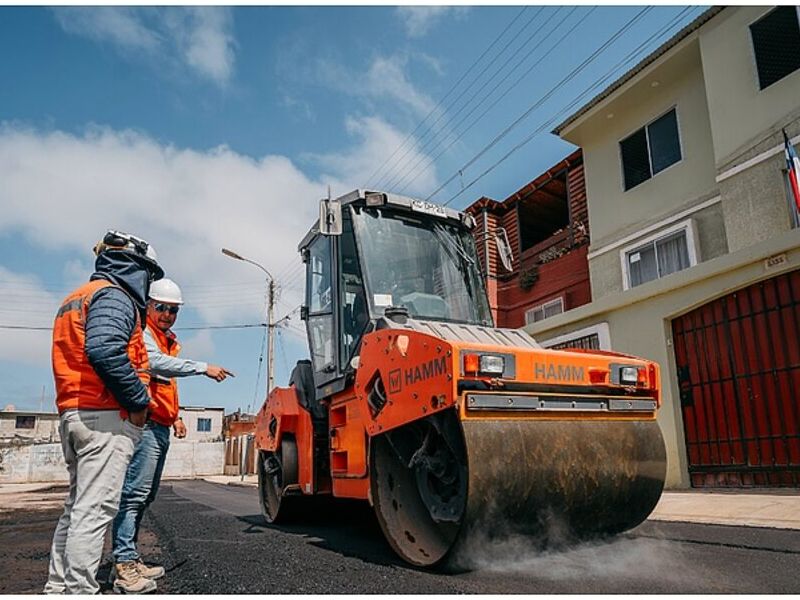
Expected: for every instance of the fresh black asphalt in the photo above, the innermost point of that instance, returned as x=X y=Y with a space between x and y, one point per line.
x=213 y=540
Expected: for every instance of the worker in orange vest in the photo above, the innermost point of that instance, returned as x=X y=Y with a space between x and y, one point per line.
x=101 y=375
x=146 y=466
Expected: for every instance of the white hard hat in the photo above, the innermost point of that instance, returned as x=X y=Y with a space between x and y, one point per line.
x=166 y=290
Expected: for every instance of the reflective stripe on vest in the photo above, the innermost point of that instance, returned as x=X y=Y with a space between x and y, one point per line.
x=77 y=383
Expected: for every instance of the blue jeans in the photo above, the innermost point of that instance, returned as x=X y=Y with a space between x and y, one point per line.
x=139 y=489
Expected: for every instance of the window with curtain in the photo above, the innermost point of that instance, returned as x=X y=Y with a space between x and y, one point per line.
x=658 y=258
x=203 y=424
x=543 y=311
x=650 y=150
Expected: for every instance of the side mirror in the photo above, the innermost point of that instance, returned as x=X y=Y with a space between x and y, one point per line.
x=330 y=217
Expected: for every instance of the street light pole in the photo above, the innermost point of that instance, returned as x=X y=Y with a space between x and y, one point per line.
x=270 y=313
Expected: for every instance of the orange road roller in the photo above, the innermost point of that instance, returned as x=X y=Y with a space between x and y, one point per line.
x=446 y=425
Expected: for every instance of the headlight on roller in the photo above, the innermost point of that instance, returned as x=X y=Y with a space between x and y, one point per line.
x=628 y=375
x=492 y=365
x=484 y=364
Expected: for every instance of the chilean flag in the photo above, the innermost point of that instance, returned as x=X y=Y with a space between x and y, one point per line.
x=793 y=165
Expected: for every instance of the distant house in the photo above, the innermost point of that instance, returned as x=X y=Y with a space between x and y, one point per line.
x=545 y=226
x=27 y=427
x=238 y=430
x=202 y=423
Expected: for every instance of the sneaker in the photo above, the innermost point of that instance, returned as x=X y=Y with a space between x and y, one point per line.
x=130 y=581
x=154 y=572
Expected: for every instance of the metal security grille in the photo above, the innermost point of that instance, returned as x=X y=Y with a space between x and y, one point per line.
x=587 y=342
x=738 y=361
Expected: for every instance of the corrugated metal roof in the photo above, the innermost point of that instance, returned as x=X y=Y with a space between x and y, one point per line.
x=651 y=58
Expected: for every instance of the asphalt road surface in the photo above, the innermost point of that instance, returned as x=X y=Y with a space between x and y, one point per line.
x=213 y=540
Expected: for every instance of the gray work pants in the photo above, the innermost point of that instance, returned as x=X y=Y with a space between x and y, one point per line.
x=97 y=445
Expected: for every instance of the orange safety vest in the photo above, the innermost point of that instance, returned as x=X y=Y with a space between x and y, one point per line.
x=163 y=390
x=77 y=384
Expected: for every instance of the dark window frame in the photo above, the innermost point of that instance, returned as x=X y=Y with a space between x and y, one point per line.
x=206 y=421
x=646 y=129
x=762 y=80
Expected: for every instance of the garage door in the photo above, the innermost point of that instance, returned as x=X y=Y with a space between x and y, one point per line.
x=738 y=361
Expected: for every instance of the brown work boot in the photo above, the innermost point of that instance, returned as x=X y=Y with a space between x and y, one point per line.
x=154 y=572
x=130 y=581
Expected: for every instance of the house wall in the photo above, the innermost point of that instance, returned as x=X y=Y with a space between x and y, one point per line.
x=614 y=212
x=639 y=321
x=732 y=85
x=45 y=430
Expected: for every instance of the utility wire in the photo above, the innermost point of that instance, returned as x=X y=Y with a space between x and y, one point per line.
x=450 y=91
x=466 y=103
x=469 y=99
x=450 y=131
x=415 y=175
x=552 y=120
x=571 y=75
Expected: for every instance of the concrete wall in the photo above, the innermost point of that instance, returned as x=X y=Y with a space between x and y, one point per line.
x=732 y=84
x=45 y=462
x=710 y=240
x=755 y=200
x=640 y=322
x=614 y=212
x=45 y=430
x=190 y=415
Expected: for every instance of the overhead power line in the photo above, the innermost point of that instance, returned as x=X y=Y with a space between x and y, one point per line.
x=441 y=101
x=464 y=98
x=415 y=173
x=568 y=77
x=552 y=120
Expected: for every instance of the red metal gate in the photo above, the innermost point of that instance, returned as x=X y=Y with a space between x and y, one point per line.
x=738 y=361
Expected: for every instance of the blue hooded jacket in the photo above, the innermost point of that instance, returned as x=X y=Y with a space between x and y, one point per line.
x=110 y=320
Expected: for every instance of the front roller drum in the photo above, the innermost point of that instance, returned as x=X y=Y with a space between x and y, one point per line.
x=553 y=480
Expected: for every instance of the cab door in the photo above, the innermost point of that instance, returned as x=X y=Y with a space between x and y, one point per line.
x=320 y=295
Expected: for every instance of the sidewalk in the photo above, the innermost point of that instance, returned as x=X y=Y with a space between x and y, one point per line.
x=778 y=509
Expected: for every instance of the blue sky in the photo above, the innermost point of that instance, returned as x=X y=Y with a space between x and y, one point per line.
x=198 y=128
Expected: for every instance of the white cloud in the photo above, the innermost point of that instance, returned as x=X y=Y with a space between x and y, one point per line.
x=387 y=78
x=63 y=191
x=419 y=20
x=25 y=302
x=200 y=38
x=376 y=140
x=198 y=345
x=383 y=83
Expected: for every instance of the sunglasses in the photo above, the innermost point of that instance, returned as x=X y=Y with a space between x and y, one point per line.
x=171 y=309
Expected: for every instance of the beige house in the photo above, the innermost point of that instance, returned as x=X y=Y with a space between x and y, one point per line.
x=202 y=423
x=695 y=254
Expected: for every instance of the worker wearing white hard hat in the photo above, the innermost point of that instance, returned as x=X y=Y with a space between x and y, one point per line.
x=144 y=473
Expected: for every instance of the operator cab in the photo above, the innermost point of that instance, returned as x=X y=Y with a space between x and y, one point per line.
x=377 y=257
